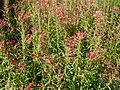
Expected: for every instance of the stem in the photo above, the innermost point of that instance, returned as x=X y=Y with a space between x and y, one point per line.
x=23 y=41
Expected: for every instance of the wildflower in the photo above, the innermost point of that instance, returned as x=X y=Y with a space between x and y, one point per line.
x=13 y=42
x=59 y=11
x=75 y=38
x=78 y=33
x=43 y=42
x=71 y=43
x=3 y=22
x=92 y=56
x=97 y=15
x=60 y=14
x=39 y=0
x=115 y=72
x=103 y=65
x=117 y=78
x=3 y=32
x=98 y=49
x=1 y=44
x=43 y=32
x=105 y=50
x=107 y=62
x=81 y=34
x=101 y=57
x=28 y=38
x=21 y=65
x=52 y=14
x=46 y=58
x=62 y=75
x=29 y=87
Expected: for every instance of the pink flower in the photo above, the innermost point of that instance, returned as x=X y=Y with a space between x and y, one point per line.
x=115 y=72
x=29 y=87
x=107 y=62
x=62 y=75
x=47 y=58
x=101 y=57
x=28 y=38
x=1 y=45
x=105 y=50
x=21 y=65
x=78 y=33
x=75 y=38
x=52 y=14
x=3 y=22
x=43 y=42
x=81 y=34
x=98 y=49
x=97 y=15
x=39 y=0
x=92 y=56
x=59 y=14
x=71 y=43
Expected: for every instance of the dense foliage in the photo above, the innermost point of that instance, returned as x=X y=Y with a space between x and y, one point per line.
x=60 y=45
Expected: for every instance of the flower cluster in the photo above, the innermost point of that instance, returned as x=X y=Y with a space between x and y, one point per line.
x=77 y=36
x=109 y=71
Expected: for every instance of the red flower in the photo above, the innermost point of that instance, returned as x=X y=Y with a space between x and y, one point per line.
x=29 y=87
x=13 y=42
x=92 y=56
x=3 y=22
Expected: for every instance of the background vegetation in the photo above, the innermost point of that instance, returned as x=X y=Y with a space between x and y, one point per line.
x=60 y=45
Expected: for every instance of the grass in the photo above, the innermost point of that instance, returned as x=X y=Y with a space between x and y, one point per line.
x=60 y=45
